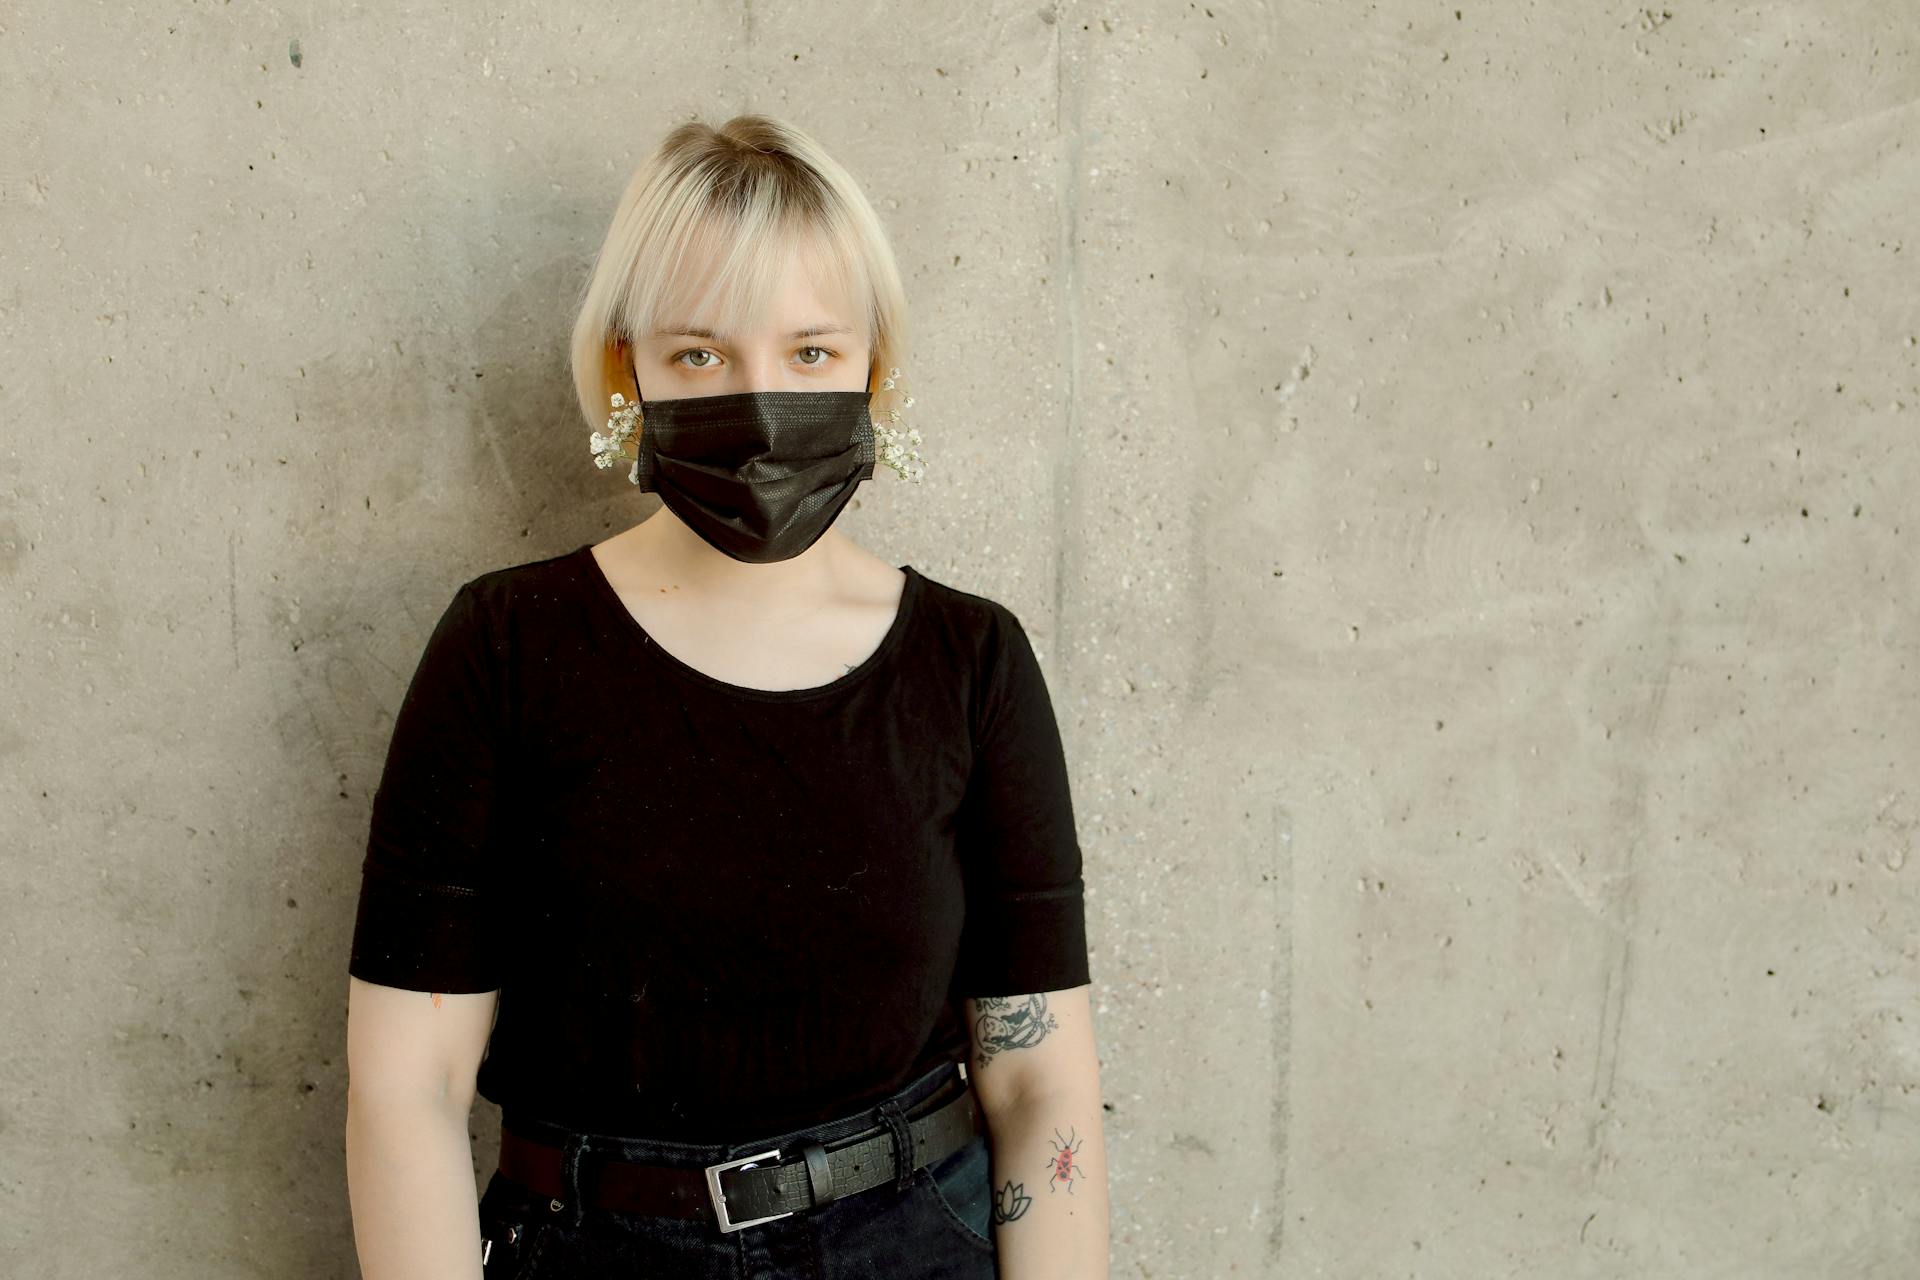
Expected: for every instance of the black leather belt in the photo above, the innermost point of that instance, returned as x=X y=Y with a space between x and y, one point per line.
x=756 y=1188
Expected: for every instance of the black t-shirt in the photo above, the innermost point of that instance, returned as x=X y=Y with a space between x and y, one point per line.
x=714 y=912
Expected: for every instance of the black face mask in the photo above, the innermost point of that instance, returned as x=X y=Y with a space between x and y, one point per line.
x=759 y=475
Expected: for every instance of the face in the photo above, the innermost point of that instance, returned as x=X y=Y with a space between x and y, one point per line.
x=806 y=342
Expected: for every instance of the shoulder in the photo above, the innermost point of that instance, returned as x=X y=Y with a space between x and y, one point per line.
x=501 y=593
x=984 y=622
x=496 y=614
x=503 y=583
x=983 y=633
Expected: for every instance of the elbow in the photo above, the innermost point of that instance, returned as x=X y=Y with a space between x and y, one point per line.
x=1033 y=1048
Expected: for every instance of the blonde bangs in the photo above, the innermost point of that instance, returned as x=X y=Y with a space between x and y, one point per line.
x=753 y=251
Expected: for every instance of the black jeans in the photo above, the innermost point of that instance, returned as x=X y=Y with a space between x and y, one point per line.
x=939 y=1228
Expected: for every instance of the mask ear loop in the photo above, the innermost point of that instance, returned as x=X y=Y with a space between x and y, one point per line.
x=574 y=1203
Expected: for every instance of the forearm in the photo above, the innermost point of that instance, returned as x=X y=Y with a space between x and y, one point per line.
x=410 y=1187
x=1050 y=1188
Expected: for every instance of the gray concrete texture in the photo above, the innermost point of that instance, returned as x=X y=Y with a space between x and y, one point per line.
x=1456 y=462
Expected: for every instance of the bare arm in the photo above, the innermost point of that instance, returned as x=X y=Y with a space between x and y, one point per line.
x=412 y=1057
x=1036 y=1070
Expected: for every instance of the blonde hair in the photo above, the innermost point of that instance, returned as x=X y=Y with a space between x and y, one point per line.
x=753 y=195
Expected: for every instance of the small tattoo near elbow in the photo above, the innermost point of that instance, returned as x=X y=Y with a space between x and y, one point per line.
x=1011 y=1022
x=436 y=998
x=1010 y=1202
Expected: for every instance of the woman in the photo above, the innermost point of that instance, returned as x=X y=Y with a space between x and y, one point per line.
x=760 y=847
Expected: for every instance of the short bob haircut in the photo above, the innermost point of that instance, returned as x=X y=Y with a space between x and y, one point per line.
x=752 y=196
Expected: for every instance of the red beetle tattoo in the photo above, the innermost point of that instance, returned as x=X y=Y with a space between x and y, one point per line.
x=1062 y=1166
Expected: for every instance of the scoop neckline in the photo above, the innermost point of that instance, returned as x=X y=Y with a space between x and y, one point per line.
x=602 y=588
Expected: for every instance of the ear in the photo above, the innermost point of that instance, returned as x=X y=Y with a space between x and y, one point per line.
x=620 y=356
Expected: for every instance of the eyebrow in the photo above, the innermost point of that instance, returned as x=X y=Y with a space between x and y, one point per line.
x=695 y=331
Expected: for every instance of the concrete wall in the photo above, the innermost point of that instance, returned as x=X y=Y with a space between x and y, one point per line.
x=1457 y=461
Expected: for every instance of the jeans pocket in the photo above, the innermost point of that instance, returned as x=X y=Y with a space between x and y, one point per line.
x=512 y=1221
x=960 y=1185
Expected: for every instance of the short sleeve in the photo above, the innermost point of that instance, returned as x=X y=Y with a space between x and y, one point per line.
x=1025 y=929
x=422 y=920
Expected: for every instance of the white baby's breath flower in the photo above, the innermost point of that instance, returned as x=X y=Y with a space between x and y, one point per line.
x=896 y=451
x=898 y=448
x=621 y=425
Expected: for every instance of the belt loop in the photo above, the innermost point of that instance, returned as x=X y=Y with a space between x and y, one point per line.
x=895 y=1119
x=570 y=1152
x=819 y=1173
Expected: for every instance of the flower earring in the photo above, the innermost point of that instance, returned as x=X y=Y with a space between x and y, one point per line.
x=621 y=425
x=899 y=449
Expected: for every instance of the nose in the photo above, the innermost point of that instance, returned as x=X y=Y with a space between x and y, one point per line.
x=759 y=371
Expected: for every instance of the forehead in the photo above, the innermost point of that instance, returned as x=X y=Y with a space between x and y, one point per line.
x=778 y=286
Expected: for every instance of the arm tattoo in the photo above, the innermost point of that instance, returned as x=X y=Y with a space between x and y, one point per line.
x=1011 y=1022
x=1062 y=1165
x=1010 y=1202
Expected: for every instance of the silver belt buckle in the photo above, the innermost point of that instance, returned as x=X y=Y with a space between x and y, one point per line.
x=719 y=1198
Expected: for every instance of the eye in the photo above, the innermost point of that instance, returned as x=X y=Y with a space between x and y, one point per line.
x=816 y=363
x=694 y=351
